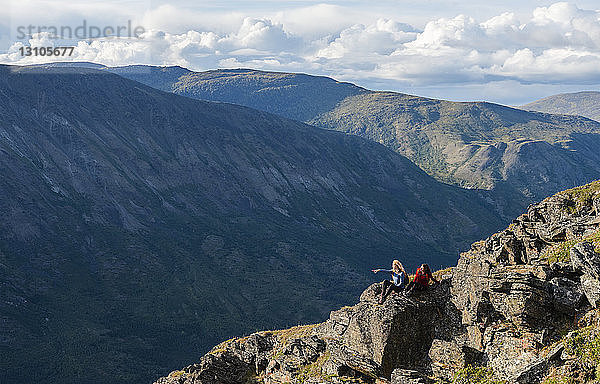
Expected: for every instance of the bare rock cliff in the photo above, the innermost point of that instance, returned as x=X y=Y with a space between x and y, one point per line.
x=514 y=309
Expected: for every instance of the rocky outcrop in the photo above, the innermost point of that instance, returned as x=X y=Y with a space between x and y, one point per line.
x=514 y=298
x=586 y=260
x=367 y=343
x=504 y=306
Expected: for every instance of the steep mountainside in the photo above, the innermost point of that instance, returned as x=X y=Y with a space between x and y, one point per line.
x=579 y=103
x=140 y=227
x=521 y=155
x=520 y=307
x=476 y=144
x=473 y=145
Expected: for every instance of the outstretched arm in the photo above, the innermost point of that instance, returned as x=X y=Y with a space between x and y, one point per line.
x=380 y=270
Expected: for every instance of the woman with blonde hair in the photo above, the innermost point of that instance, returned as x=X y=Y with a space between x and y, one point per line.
x=399 y=279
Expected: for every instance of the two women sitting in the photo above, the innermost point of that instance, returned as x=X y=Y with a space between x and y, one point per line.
x=400 y=279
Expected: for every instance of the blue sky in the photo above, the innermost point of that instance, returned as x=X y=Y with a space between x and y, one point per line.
x=509 y=52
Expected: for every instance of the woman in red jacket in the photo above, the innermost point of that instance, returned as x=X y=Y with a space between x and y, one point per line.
x=422 y=278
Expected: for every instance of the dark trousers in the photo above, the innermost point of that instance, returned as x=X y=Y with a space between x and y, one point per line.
x=415 y=286
x=387 y=288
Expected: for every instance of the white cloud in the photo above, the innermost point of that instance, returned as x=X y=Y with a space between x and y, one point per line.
x=557 y=44
x=380 y=38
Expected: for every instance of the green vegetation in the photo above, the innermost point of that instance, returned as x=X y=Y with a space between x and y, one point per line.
x=176 y=374
x=475 y=375
x=561 y=251
x=581 y=196
x=578 y=103
x=584 y=344
x=576 y=199
x=442 y=272
x=222 y=347
x=559 y=379
x=315 y=370
x=296 y=332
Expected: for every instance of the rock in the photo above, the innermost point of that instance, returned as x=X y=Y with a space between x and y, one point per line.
x=407 y=376
x=521 y=294
x=511 y=301
x=587 y=261
x=502 y=307
x=508 y=351
x=223 y=369
x=564 y=268
x=381 y=338
x=448 y=356
x=535 y=371
x=567 y=294
x=226 y=364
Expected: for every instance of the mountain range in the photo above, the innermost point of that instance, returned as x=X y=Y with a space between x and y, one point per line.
x=528 y=155
x=584 y=103
x=147 y=217
x=141 y=227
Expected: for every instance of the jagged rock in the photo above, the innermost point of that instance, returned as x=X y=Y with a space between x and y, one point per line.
x=567 y=294
x=510 y=299
x=508 y=351
x=226 y=368
x=449 y=356
x=227 y=364
x=407 y=376
x=381 y=338
x=521 y=294
x=502 y=307
x=535 y=371
x=586 y=260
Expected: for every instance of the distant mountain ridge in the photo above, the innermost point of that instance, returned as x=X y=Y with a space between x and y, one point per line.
x=586 y=103
x=141 y=227
x=469 y=144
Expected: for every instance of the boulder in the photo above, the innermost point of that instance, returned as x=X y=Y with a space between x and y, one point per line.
x=536 y=370
x=567 y=294
x=408 y=376
x=586 y=260
x=380 y=338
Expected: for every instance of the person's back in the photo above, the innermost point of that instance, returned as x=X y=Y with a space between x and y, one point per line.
x=421 y=279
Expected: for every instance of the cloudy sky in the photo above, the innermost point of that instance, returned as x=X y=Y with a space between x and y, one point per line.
x=510 y=52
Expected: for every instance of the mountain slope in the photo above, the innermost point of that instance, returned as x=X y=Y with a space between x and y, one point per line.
x=579 y=103
x=521 y=306
x=473 y=145
x=296 y=96
x=140 y=227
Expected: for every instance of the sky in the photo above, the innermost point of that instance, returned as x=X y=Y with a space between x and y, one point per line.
x=509 y=52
